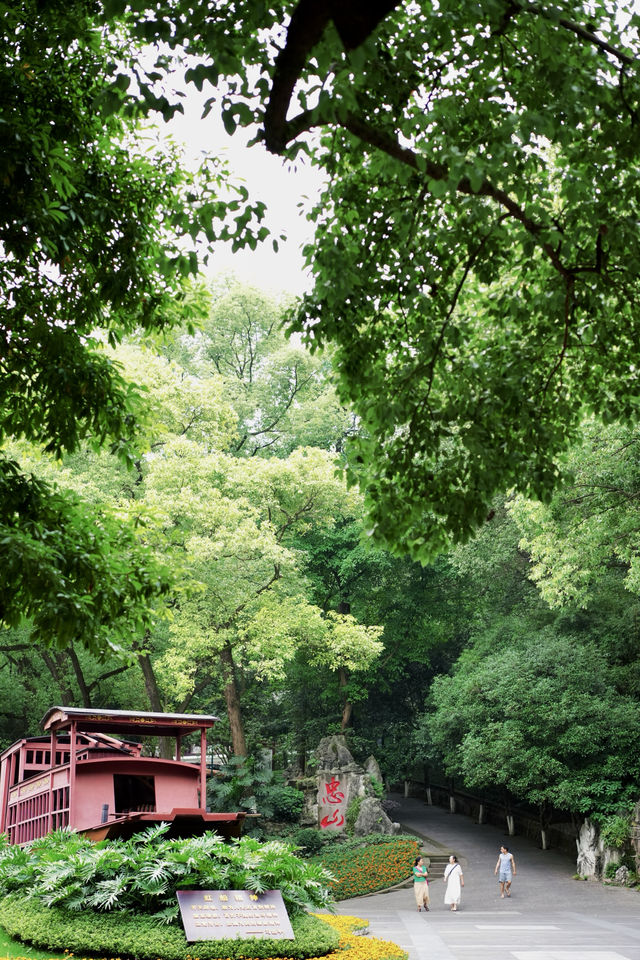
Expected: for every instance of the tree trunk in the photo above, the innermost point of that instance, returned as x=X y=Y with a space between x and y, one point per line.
x=347 y=705
x=82 y=683
x=53 y=666
x=165 y=745
x=232 y=700
x=150 y=683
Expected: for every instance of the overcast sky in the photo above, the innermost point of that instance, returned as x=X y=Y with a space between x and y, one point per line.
x=281 y=186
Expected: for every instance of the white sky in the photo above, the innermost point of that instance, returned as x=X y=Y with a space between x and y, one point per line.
x=282 y=187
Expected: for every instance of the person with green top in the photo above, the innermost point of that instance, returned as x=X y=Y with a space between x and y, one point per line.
x=420 y=884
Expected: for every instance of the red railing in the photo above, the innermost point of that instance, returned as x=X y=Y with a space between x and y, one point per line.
x=35 y=809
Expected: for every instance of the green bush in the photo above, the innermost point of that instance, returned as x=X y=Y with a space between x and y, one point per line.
x=615 y=830
x=141 y=875
x=284 y=803
x=310 y=840
x=368 y=864
x=235 y=786
x=120 y=935
x=377 y=788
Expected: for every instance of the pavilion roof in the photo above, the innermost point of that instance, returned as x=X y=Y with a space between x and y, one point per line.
x=125 y=721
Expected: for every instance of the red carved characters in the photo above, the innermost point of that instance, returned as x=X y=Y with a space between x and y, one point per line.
x=335 y=798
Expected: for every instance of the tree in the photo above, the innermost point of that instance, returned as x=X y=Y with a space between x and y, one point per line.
x=475 y=261
x=476 y=252
x=235 y=522
x=283 y=396
x=590 y=526
x=96 y=224
x=542 y=720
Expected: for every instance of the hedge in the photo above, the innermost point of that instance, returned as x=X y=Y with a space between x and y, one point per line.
x=363 y=867
x=87 y=933
x=351 y=945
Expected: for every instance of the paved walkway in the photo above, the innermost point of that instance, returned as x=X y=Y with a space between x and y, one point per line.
x=549 y=916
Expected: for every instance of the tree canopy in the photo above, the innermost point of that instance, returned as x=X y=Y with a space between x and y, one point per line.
x=476 y=251
x=476 y=256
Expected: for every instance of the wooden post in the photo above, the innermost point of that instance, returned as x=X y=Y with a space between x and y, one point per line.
x=52 y=762
x=5 y=783
x=481 y=813
x=73 y=749
x=452 y=803
x=429 y=798
x=203 y=769
x=406 y=788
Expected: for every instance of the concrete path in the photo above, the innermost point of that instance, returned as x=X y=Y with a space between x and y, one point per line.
x=549 y=916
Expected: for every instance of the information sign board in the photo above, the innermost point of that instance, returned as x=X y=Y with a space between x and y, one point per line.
x=234 y=915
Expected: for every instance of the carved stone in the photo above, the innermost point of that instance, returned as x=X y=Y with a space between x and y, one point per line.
x=341 y=780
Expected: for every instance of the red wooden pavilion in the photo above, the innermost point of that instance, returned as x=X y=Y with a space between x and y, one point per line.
x=86 y=776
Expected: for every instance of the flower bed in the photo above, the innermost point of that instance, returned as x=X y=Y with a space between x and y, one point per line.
x=373 y=864
x=352 y=946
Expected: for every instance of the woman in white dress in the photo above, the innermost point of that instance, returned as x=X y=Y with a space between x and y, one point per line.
x=455 y=881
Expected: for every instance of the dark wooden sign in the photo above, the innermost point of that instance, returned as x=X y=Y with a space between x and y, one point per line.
x=234 y=915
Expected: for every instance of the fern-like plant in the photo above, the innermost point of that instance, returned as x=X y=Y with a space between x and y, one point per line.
x=141 y=875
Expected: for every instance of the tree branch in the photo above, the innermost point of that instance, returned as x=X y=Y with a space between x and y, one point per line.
x=582 y=32
x=354 y=20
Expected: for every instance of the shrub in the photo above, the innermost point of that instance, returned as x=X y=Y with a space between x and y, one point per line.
x=310 y=840
x=141 y=874
x=390 y=807
x=377 y=788
x=373 y=863
x=615 y=830
x=115 y=934
x=281 y=802
x=242 y=784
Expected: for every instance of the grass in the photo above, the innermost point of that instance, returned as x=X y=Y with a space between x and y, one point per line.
x=13 y=948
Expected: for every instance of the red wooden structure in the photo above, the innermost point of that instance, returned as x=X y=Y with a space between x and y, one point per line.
x=85 y=776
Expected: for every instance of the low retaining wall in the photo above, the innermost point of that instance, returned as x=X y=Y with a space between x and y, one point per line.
x=562 y=835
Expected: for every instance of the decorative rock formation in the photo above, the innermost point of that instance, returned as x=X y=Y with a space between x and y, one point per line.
x=593 y=856
x=373 y=770
x=589 y=858
x=341 y=780
x=373 y=819
x=622 y=874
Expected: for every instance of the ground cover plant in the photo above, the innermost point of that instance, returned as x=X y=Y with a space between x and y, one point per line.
x=140 y=875
x=87 y=932
x=350 y=945
x=371 y=863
